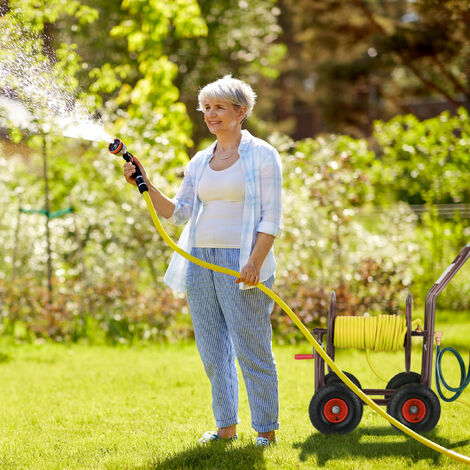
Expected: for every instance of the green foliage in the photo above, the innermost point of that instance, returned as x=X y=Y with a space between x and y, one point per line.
x=347 y=225
x=425 y=162
x=38 y=12
x=114 y=309
x=332 y=239
x=105 y=235
x=440 y=242
x=327 y=192
x=40 y=69
x=143 y=80
x=338 y=235
x=34 y=20
x=242 y=40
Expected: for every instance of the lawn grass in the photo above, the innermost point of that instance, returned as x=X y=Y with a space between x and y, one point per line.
x=99 y=407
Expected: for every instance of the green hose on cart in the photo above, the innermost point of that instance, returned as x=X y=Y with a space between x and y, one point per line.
x=464 y=375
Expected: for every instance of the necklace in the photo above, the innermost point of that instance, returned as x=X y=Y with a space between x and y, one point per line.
x=226 y=158
x=230 y=155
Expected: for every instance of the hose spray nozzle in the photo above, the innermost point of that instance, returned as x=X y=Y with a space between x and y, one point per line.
x=117 y=147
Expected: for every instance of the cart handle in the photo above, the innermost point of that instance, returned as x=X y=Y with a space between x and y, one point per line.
x=450 y=272
x=430 y=312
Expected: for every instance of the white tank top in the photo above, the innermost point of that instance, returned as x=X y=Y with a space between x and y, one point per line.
x=222 y=193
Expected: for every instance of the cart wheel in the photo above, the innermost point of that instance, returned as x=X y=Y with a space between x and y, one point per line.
x=331 y=377
x=335 y=409
x=403 y=378
x=416 y=406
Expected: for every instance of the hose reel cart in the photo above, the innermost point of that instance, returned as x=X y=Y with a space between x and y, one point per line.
x=334 y=408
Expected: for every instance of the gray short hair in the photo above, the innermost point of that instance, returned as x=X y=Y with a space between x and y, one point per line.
x=231 y=90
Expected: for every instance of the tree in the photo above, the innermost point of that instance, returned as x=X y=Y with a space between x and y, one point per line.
x=230 y=37
x=242 y=40
x=142 y=87
x=141 y=102
x=358 y=60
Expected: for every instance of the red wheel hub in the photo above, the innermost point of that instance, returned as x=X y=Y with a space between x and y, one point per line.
x=335 y=410
x=413 y=410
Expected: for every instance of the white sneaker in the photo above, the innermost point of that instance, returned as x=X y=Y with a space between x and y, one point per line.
x=264 y=442
x=211 y=436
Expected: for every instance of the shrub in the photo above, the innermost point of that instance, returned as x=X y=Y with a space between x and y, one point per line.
x=333 y=236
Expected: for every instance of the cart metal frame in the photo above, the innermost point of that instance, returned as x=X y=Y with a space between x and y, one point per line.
x=427 y=334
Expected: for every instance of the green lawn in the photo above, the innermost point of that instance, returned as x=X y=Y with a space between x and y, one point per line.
x=98 y=407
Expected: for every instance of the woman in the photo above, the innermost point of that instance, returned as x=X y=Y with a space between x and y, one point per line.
x=231 y=195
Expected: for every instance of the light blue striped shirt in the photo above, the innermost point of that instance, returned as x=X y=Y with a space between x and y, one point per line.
x=262 y=209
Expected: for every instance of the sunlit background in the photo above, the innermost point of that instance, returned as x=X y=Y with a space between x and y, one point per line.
x=366 y=101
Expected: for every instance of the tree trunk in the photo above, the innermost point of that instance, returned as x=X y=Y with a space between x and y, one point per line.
x=47 y=208
x=4 y=7
x=16 y=243
x=48 y=34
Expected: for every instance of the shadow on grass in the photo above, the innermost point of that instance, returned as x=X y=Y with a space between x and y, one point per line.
x=213 y=456
x=371 y=443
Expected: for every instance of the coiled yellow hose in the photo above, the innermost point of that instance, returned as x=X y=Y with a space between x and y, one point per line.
x=380 y=333
x=308 y=336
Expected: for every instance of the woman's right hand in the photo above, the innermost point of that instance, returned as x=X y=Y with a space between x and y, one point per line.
x=129 y=170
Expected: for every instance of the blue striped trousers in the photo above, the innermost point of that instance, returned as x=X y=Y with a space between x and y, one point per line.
x=228 y=323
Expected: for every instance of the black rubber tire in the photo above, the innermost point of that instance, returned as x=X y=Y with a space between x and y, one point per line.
x=425 y=396
x=331 y=377
x=322 y=397
x=401 y=379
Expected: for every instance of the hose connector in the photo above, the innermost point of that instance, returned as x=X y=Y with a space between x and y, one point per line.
x=438 y=337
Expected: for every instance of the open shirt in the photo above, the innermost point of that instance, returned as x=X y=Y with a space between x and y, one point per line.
x=262 y=208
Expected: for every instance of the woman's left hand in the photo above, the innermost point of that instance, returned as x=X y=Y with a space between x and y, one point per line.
x=249 y=274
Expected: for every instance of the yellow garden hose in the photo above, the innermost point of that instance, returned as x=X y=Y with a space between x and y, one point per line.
x=380 y=333
x=306 y=333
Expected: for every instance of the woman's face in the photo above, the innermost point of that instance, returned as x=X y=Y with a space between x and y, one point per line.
x=221 y=116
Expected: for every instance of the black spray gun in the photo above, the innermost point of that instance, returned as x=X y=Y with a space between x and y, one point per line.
x=117 y=147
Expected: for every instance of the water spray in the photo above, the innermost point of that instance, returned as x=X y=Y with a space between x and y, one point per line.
x=34 y=95
x=117 y=147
